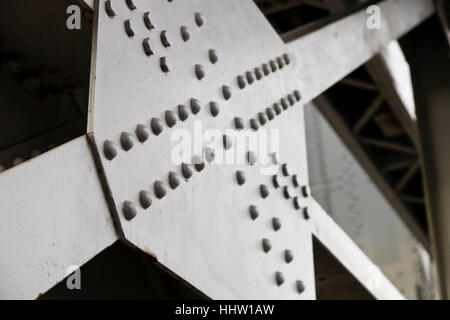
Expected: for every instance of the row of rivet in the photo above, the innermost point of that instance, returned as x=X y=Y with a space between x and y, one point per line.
x=156 y=126
x=271 y=112
x=276 y=222
x=129 y=208
x=258 y=72
x=267 y=247
x=198 y=17
x=288 y=256
x=164 y=38
x=287 y=191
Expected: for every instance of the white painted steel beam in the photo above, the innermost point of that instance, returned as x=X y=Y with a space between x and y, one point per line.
x=329 y=54
x=54 y=215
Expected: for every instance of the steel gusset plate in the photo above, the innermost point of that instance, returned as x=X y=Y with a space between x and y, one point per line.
x=185 y=64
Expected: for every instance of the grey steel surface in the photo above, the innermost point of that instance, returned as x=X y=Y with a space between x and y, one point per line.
x=53 y=216
x=321 y=68
x=202 y=230
x=349 y=43
x=352 y=199
x=134 y=88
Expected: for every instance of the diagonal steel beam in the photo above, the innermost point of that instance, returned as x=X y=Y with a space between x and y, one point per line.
x=352 y=141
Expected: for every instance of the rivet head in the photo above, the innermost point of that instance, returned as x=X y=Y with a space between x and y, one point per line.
x=262 y=118
x=183 y=112
x=254 y=124
x=147 y=21
x=295 y=181
x=126 y=141
x=277 y=108
x=198 y=163
x=300 y=286
x=160 y=189
x=129 y=210
x=266 y=69
x=142 y=133
x=258 y=73
x=227 y=142
x=270 y=114
x=284 y=104
x=240 y=177
x=305 y=191
x=109 y=150
x=275 y=182
x=287 y=192
x=297 y=95
x=276 y=223
x=239 y=123
x=109 y=10
x=241 y=82
x=273 y=65
x=165 y=39
x=287 y=58
x=284 y=170
x=291 y=99
x=306 y=213
x=279 y=278
x=296 y=202
x=210 y=154
x=146 y=45
x=171 y=119
x=249 y=76
x=156 y=126
x=213 y=56
x=199 y=19
x=163 y=63
x=264 y=191
x=186 y=171
x=288 y=256
x=280 y=62
x=251 y=157
x=195 y=106
x=266 y=245
x=174 y=180
x=185 y=33
x=131 y=5
x=199 y=71
x=214 y=108
x=226 y=90
x=254 y=212
x=145 y=199
x=128 y=29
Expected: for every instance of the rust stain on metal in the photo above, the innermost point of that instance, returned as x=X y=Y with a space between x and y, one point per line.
x=150 y=253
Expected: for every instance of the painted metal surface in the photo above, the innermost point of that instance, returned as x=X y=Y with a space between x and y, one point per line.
x=347 y=193
x=53 y=216
x=202 y=230
x=150 y=59
x=349 y=43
